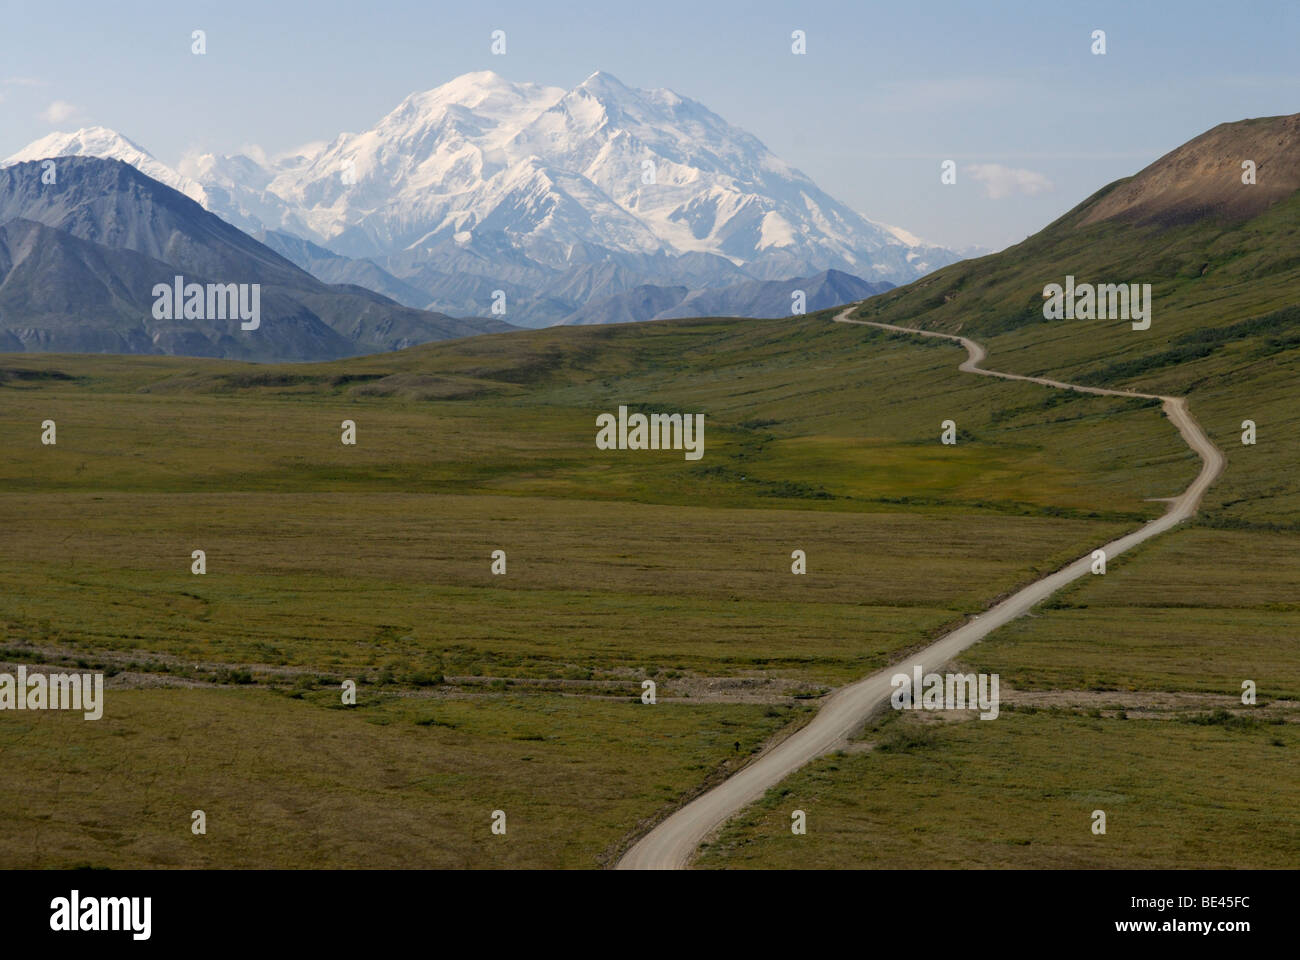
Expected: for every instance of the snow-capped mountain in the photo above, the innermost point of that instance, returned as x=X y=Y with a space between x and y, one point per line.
x=110 y=145
x=558 y=171
x=80 y=263
x=236 y=191
x=484 y=183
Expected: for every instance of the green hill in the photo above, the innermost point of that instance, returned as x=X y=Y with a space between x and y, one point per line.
x=1122 y=692
x=1224 y=268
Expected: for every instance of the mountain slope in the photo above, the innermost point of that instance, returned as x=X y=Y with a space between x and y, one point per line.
x=110 y=204
x=751 y=298
x=60 y=293
x=1202 y=178
x=1223 y=262
x=773 y=298
x=644 y=302
x=1236 y=244
x=108 y=145
x=335 y=268
x=548 y=169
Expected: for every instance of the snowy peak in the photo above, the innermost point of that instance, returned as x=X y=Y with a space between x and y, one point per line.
x=484 y=93
x=600 y=81
x=111 y=145
x=636 y=171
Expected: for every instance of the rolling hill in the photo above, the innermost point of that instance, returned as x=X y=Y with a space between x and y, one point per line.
x=1223 y=261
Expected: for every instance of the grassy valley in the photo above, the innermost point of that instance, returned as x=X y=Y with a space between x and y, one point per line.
x=327 y=562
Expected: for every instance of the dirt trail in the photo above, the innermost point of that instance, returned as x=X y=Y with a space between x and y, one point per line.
x=672 y=843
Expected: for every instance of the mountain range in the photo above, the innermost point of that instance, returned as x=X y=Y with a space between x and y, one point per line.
x=559 y=199
x=80 y=258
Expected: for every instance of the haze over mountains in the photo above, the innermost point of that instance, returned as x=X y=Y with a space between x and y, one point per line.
x=558 y=198
x=751 y=298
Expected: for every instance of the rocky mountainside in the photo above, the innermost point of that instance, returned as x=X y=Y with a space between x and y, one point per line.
x=85 y=282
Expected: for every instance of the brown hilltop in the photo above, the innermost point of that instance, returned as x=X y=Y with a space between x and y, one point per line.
x=1202 y=178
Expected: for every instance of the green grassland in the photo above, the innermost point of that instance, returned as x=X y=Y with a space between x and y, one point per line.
x=804 y=411
x=1225 y=332
x=1192 y=613
x=372 y=562
x=396 y=782
x=349 y=558
x=1198 y=610
x=1019 y=792
x=361 y=584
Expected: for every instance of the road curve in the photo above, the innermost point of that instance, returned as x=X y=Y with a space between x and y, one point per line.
x=672 y=843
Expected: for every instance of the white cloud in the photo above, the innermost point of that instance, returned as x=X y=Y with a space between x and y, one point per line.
x=58 y=111
x=1000 y=182
x=254 y=152
x=306 y=150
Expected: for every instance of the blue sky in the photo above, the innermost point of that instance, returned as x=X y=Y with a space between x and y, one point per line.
x=886 y=92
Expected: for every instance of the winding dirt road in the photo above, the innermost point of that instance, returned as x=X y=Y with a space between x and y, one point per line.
x=672 y=843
